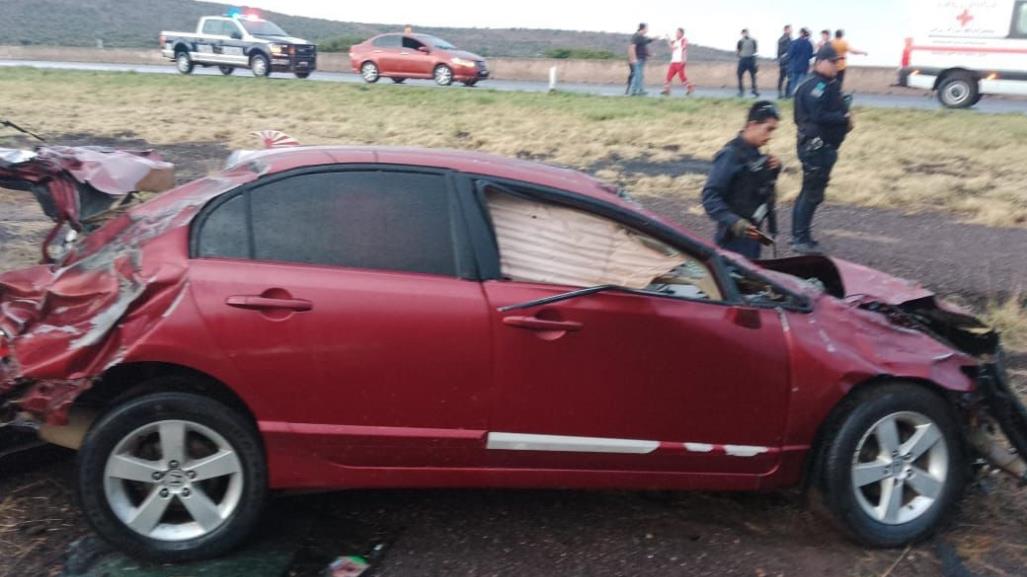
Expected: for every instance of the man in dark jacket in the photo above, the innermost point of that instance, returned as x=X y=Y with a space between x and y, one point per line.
x=799 y=53
x=783 y=44
x=822 y=120
x=739 y=194
x=746 y=50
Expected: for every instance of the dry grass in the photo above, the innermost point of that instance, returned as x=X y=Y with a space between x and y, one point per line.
x=1010 y=318
x=962 y=162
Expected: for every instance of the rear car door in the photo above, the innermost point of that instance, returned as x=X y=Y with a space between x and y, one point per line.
x=669 y=378
x=345 y=299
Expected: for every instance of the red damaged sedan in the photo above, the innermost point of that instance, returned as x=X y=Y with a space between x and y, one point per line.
x=333 y=317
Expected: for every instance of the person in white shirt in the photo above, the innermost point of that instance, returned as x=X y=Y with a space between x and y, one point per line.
x=678 y=59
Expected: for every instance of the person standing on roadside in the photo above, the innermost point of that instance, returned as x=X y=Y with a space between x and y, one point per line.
x=822 y=120
x=631 y=67
x=783 y=44
x=825 y=39
x=640 y=51
x=841 y=46
x=799 y=54
x=678 y=61
x=746 y=51
x=739 y=194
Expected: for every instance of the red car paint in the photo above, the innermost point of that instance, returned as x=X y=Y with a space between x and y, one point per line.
x=380 y=378
x=404 y=61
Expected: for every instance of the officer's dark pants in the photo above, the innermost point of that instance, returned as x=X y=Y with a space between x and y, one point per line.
x=746 y=247
x=817 y=162
x=747 y=64
x=782 y=79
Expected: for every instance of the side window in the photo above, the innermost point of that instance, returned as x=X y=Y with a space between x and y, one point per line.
x=547 y=243
x=1020 y=19
x=372 y=220
x=226 y=231
x=412 y=43
x=230 y=28
x=387 y=41
x=213 y=27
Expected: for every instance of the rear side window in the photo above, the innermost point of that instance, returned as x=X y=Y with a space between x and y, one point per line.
x=1020 y=19
x=389 y=41
x=214 y=27
x=371 y=220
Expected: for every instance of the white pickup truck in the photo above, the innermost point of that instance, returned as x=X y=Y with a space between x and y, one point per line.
x=239 y=41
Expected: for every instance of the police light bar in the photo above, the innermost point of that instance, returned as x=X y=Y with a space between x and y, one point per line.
x=233 y=12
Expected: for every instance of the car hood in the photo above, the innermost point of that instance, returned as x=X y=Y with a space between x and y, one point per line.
x=848 y=280
x=463 y=54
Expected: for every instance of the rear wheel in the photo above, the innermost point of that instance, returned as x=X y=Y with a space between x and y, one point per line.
x=302 y=75
x=184 y=63
x=958 y=90
x=260 y=66
x=369 y=72
x=470 y=83
x=172 y=477
x=226 y=70
x=398 y=80
x=896 y=465
x=443 y=75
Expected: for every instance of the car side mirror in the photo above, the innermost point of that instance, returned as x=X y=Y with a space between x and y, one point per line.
x=424 y=49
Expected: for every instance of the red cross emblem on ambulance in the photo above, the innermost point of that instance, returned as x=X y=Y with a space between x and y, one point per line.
x=965 y=17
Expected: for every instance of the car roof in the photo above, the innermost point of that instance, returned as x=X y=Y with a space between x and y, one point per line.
x=283 y=159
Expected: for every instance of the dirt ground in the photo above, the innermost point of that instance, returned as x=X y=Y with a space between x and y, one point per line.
x=571 y=533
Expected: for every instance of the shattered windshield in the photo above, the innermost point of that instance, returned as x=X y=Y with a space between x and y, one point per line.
x=262 y=28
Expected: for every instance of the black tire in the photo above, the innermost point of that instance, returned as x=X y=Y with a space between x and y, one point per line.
x=183 y=62
x=226 y=70
x=470 y=83
x=302 y=75
x=260 y=65
x=855 y=421
x=958 y=90
x=443 y=75
x=369 y=72
x=126 y=423
x=398 y=80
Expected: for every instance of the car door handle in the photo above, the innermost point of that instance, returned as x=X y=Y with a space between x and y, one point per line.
x=259 y=303
x=404 y=53
x=537 y=324
x=378 y=51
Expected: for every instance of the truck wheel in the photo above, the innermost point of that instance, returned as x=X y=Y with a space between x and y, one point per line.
x=443 y=75
x=226 y=70
x=302 y=75
x=958 y=90
x=259 y=65
x=183 y=63
x=172 y=477
x=895 y=466
x=369 y=72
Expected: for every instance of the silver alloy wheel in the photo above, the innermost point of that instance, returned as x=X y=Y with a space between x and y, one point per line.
x=955 y=93
x=369 y=72
x=443 y=75
x=183 y=63
x=900 y=468
x=173 y=480
x=259 y=66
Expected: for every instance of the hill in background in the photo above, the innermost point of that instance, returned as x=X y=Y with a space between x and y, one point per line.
x=137 y=24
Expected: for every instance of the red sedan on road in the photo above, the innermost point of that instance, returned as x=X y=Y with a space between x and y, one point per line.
x=402 y=56
x=335 y=317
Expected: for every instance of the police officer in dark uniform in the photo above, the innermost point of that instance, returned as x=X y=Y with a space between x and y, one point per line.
x=739 y=193
x=822 y=119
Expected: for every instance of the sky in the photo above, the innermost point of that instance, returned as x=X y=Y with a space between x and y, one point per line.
x=876 y=26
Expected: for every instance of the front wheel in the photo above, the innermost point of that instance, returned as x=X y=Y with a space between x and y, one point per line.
x=172 y=477
x=958 y=90
x=443 y=75
x=369 y=72
x=226 y=70
x=260 y=66
x=184 y=63
x=895 y=466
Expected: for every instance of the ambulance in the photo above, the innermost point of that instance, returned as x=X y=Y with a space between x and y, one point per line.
x=964 y=49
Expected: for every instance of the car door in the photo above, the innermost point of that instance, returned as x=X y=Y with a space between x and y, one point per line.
x=385 y=51
x=208 y=45
x=613 y=380
x=344 y=301
x=414 y=58
x=233 y=48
